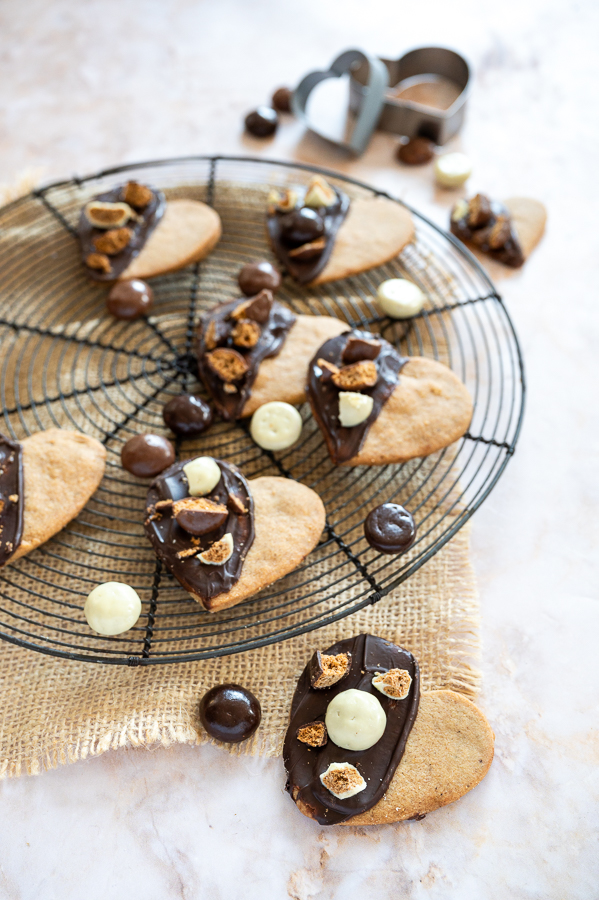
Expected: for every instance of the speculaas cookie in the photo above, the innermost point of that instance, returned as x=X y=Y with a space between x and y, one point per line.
x=507 y=232
x=320 y=235
x=365 y=747
x=132 y=231
x=225 y=538
x=58 y=472
x=383 y=408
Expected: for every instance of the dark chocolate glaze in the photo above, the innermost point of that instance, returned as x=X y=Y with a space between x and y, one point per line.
x=511 y=252
x=148 y=219
x=11 y=485
x=230 y=713
x=272 y=338
x=345 y=443
x=168 y=538
x=377 y=765
x=305 y=271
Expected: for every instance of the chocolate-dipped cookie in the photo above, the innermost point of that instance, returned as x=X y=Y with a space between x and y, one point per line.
x=507 y=232
x=320 y=235
x=370 y=748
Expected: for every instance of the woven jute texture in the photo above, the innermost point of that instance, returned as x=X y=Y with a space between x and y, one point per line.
x=56 y=712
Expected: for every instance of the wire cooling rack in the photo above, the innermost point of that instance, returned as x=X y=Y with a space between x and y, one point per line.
x=65 y=362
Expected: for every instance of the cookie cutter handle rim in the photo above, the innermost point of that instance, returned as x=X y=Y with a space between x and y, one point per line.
x=371 y=103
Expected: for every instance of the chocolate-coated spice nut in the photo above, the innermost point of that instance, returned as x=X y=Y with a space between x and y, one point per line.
x=479 y=211
x=308 y=251
x=246 y=334
x=327 y=670
x=198 y=515
x=416 y=151
x=254 y=277
x=256 y=308
x=358 y=349
x=146 y=455
x=130 y=299
x=313 y=733
x=187 y=415
x=356 y=376
x=302 y=226
x=390 y=528
x=229 y=365
x=281 y=99
x=262 y=122
x=230 y=713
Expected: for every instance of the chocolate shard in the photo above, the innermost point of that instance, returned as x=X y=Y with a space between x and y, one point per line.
x=256 y=308
x=358 y=349
x=326 y=671
x=313 y=733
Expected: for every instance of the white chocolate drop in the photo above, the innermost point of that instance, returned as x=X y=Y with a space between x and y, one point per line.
x=355 y=720
x=276 y=425
x=354 y=408
x=400 y=298
x=112 y=608
x=354 y=783
x=203 y=474
x=452 y=169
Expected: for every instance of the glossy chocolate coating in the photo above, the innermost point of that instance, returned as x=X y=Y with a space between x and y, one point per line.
x=145 y=455
x=390 y=528
x=416 y=151
x=345 y=443
x=230 y=713
x=12 y=485
x=377 y=765
x=187 y=415
x=130 y=299
x=281 y=99
x=272 y=338
x=142 y=227
x=306 y=270
x=257 y=276
x=169 y=539
x=510 y=254
x=301 y=227
x=262 y=122
x=358 y=349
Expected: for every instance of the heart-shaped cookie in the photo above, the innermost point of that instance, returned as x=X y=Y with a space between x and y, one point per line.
x=375 y=76
x=188 y=232
x=448 y=752
x=529 y=217
x=61 y=471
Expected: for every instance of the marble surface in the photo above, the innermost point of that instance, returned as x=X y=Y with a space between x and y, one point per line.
x=86 y=85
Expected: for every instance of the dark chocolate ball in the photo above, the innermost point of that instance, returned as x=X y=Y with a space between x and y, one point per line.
x=255 y=277
x=390 y=528
x=262 y=122
x=229 y=712
x=281 y=99
x=146 y=455
x=187 y=415
x=130 y=299
x=416 y=151
x=301 y=227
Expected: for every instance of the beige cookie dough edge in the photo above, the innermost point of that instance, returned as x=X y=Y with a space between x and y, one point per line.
x=61 y=471
x=529 y=217
x=289 y=519
x=169 y=247
x=449 y=751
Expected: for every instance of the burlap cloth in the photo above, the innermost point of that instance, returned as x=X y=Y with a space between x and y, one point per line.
x=55 y=712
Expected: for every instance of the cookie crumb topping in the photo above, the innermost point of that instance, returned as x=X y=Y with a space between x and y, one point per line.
x=313 y=733
x=394 y=684
x=327 y=670
x=343 y=780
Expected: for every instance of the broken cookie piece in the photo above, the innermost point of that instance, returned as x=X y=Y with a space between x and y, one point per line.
x=313 y=733
x=343 y=780
x=394 y=684
x=327 y=670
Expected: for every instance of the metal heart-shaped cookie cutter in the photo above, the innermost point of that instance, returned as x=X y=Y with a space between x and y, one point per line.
x=408 y=117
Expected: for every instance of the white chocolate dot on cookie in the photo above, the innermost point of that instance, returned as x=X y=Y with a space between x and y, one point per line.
x=343 y=780
x=276 y=425
x=394 y=684
x=354 y=408
x=203 y=474
x=112 y=608
x=355 y=720
x=400 y=298
x=219 y=553
x=452 y=169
